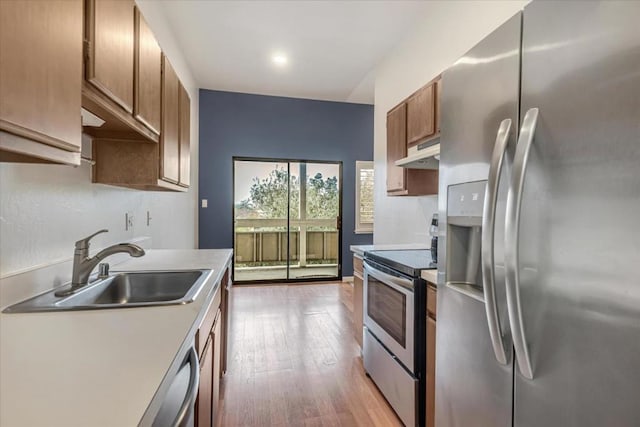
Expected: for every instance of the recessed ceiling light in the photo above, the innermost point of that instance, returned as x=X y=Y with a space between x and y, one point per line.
x=279 y=59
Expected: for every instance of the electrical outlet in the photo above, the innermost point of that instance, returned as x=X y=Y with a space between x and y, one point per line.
x=205 y=203
x=128 y=221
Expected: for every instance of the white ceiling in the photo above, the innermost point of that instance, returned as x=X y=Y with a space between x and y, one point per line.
x=332 y=46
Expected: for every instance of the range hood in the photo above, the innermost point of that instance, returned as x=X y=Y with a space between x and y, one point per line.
x=422 y=156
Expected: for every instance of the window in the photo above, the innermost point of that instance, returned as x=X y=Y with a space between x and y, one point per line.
x=364 y=197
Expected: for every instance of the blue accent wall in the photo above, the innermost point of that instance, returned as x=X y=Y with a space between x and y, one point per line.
x=243 y=125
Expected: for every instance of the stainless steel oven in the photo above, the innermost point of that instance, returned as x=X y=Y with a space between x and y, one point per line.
x=393 y=344
x=389 y=311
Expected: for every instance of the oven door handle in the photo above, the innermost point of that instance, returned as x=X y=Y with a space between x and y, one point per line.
x=400 y=284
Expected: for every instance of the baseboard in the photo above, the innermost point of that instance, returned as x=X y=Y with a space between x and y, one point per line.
x=347 y=279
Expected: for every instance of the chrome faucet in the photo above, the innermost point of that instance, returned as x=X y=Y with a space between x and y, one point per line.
x=83 y=265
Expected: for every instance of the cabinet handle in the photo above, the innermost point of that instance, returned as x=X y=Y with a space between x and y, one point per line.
x=512 y=239
x=488 y=234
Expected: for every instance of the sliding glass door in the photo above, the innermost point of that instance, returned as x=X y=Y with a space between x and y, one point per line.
x=261 y=227
x=287 y=220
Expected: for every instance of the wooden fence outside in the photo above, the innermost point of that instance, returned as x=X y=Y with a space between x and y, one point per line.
x=258 y=247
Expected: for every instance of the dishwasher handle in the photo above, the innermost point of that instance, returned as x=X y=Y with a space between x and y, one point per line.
x=192 y=391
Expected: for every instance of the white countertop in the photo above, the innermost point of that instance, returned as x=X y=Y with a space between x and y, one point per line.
x=100 y=367
x=361 y=249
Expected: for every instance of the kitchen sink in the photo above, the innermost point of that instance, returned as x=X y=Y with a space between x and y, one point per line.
x=123 y=289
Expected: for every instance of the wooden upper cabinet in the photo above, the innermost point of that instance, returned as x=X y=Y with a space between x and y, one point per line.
x=421 y=114
x=110 y=49
x=414 y=120
x=185 y=137
x=147 y=166
x=40 y=81
x=396 y=147
x=402 y=181
x=122 y=82
x=147 y=75
x=169 y=138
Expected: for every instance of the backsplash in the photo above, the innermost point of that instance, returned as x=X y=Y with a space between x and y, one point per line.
x=44 y=209
x=403 y=219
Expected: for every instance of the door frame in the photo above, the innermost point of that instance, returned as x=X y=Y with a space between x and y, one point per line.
x=288 y=280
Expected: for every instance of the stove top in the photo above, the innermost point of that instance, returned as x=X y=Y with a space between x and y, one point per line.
x=409 y=262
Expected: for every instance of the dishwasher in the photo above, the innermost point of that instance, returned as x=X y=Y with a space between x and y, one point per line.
x=177 y=410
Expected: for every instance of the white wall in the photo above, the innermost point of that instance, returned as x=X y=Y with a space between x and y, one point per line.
x=44 y=209
x=449 y=29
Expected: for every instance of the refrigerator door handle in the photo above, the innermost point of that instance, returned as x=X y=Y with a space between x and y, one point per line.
x=488 y=233
x=512 y=228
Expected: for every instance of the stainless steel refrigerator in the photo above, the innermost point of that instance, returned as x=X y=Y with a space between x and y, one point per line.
x=539 y=273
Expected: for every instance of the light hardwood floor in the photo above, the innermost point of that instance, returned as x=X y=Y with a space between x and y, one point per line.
x=293 y=361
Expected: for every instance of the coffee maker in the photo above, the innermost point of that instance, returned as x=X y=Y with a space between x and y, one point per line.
x=433 y=232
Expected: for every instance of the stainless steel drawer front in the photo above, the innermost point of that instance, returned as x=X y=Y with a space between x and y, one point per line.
x=398 y=386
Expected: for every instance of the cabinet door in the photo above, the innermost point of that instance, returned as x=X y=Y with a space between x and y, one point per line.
x=203 y=404
x=148 y=75
x=396 y=147
x=431 y=371
x=169 y=138
x=217 y=365
x=41 y=74
x=225 y=306
x=432 y=298
x=421 y=114
x=110 y=34
x=357 y=306
x=185 y=137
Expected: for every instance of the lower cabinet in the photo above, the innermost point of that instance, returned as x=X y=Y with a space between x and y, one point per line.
x=431 y=355
x=358 y=284
x=225 y=305
x=210 y=365
x=431 y=371
x=204 y=413
x=216 y=336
